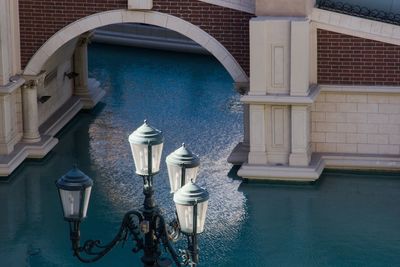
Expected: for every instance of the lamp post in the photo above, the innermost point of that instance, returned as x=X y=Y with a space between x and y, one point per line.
x=146 y=226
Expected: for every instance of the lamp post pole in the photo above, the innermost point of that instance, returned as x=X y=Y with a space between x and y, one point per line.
x=151 y=249
x=146 y=226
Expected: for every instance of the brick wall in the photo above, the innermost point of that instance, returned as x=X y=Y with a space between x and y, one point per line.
x=356 y=123
x=230 y=27
x=40 y=19
x=344 y=59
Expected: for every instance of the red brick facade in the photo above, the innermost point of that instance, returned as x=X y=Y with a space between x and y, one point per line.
x=40 y=19
x=344 y=59
x=228 y=26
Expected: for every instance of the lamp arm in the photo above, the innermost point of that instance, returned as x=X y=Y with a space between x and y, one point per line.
x=188 y=257
x=164 y=235
x=94 y=247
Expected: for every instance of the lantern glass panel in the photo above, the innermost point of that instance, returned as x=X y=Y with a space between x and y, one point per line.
x=140 y=157
x=185 y=216
x=71 y=201
x=175 y=175
x=86 y=199
x=156 y=157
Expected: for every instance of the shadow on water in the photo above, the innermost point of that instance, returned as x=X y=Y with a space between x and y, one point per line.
x=346 y=218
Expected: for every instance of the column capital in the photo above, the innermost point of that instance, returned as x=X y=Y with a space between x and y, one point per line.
x=85 y=38
x=242 y=87
x=33 y=82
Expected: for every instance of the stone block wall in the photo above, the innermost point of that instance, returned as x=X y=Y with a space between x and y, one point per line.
x=345 y=59
x=365 y=123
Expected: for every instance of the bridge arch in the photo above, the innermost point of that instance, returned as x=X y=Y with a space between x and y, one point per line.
x=73 y=30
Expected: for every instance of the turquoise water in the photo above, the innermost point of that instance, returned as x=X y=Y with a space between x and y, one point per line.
x=345 y=219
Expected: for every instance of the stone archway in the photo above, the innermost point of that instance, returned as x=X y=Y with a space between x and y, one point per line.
x=34 y=66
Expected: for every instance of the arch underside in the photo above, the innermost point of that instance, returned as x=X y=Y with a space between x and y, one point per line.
x=36 y=63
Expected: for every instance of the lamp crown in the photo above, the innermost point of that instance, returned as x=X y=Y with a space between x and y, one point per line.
x=74 y=179
x=146 y=134
x=191 y=194
x=183 y=156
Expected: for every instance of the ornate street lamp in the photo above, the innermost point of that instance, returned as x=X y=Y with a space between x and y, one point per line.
x=74 y=189
x=147 y=226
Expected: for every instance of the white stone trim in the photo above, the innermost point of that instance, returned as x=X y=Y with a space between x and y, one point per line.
x=357 y=161
x=94 y=21
x=12 y=86
x=354 y=26
x=24 y=150
x=318 y=163
x=360 y=89
x=283 y=173
x=248 y=6
x=140 y=4
x=282 y=99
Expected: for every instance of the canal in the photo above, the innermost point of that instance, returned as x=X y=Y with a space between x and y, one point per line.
x=345 y=219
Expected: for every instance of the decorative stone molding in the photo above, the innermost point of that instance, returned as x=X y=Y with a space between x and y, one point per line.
x=283 y=99
x=241 y=5
x=140 y=4
x=32 y=82
x=355 y=26
x=85 y=38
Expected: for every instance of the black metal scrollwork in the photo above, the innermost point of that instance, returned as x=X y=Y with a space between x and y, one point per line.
x=358 y=11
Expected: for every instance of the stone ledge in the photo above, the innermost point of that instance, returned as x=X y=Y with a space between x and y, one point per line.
x=319 y=161
x=283 y=99
x=284 y=173
x=61 y=117
x=26 y=150
x=360 y=161
x=360 y=89
x=8 y=163
x=12 y=86
x=356 y=26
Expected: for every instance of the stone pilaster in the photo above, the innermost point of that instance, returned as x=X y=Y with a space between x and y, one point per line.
x=257 y=153
x=30 y=116
x=301 y=142
x=280 y=96
x=10 y=133
x=5 y=71
x=87 y=89
x=9 y=41
x=6 y=126
x=300 y=57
